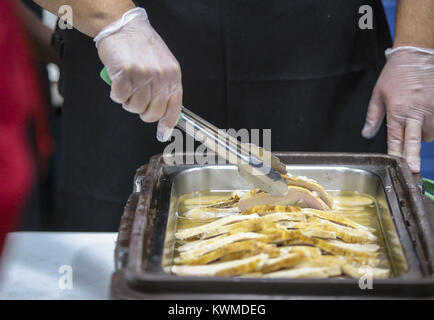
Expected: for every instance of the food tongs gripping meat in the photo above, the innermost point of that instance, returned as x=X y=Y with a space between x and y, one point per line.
x=255 y=164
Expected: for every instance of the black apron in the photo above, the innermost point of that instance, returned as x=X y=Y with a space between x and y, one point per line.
x=302 y=68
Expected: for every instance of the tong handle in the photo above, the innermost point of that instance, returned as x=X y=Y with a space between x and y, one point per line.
x=209 y=135
x=217 y=140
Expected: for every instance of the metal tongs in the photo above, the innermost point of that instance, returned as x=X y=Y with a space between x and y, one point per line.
x=255 y=164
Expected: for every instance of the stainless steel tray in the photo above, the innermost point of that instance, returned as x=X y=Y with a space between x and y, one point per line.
x=146 y=244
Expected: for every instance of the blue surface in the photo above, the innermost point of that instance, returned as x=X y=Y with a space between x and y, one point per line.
x=390 y=8
x=427 y=154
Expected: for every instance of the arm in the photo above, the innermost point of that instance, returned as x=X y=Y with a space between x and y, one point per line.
x=415 y=23
x=146 y=77
x=90 y=17
x=404 y=93
x=39 y=35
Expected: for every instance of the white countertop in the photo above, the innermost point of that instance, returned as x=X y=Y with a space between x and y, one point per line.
x=31 y=266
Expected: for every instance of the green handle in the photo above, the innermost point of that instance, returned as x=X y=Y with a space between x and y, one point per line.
x=105 y=76
x=429 y=188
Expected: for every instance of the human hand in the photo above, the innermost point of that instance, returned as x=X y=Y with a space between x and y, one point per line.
x=146 y=77
x=405 y=94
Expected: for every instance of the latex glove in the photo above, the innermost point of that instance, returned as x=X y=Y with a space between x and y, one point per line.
x=146 y=77
x=405 y=93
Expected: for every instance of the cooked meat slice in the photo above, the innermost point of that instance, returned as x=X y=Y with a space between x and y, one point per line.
x=283 y=216
x=307 y=229
x=228 y=203
x=279 y=235
x=358 y=272
x=320 y=272
x=197 y=231
x=370 y=247
x=318 y=233
x=216 y=243
x=284 y=261
x=336 y=218
x=290 y=237
x=229 y=268
x=311 y=185
x=263 y=210
x=289 y=224
x=204 y=213
x=191 y=245
x=252 y=225
x=296 y=196
x=306 y=250
x=347 y=234
x=363 y=257
x=211 y=202
x=225 y=204
x=322 y=261
x=247 y=248
x=236 y=256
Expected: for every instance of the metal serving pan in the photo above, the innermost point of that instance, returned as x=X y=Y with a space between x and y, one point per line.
x=145 y=244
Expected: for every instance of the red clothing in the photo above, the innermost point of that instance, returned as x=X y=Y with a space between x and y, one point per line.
x=19 y=98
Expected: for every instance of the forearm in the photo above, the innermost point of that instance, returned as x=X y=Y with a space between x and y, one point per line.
x=39 y=35
x=90 y=16
x=415 y=23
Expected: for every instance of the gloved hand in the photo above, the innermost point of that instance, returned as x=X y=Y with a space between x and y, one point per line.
x=405 y=93
x=146 y=77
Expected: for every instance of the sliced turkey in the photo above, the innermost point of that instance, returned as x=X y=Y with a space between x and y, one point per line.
x=229 y=268
x=311 y=185
x=212 y=226
x=318 y=272
x=296 y=196
x=205 y=213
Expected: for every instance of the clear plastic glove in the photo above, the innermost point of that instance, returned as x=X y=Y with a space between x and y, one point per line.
x=405 y=94
x=146 y=77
